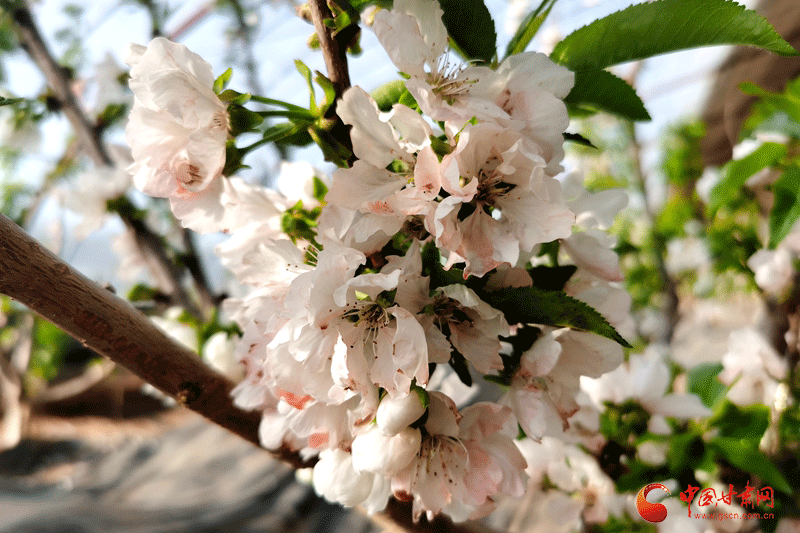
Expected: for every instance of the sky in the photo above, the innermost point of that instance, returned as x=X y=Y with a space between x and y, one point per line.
x=673 y=86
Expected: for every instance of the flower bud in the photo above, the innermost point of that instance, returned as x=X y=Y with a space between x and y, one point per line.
x=395 y=414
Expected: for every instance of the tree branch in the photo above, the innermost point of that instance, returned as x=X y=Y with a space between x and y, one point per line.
x=58 y=78
x=334 y=50
x=110 y=326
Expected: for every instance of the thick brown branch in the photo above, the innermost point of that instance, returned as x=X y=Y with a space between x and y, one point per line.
x=109 y=325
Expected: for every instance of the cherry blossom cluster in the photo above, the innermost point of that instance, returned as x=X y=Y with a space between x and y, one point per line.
x=351 y=352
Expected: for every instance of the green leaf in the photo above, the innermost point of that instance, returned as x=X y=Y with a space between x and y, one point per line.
x=604 y=91
x=579 y=139
x=222 y=81
x=304 y=71
x=528 y=28
x=653 y=28
x=788 y=102
x=48 y=349
x=234 y=97
x=550 y=278
x=389 y=94
x=742 y=454
x=736 y=422
x=702 y=381
x=786 y=209
x=736 y=173
x=328 y=89
x=471 y=27
x=774 y=112
x=530 y=305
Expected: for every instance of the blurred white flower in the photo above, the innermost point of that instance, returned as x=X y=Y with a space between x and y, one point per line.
x=752 y=367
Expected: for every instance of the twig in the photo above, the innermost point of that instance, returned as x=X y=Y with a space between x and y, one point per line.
x=162 y=268
x=192 y=261
x=91 y=376
x=659 y=244
x=58 y=80
x=334 y=50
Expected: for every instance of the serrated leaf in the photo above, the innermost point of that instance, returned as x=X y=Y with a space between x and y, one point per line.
x=529 y=27
x=702 y=381
x=389 y=94
x=469 y=24
x=550 y=278
x=653 y=28
x=578 y=139
x=604 y=91
x=742 y=454
x=222 y=81
x=530 y=305
x=786 y=209
x=736 y=173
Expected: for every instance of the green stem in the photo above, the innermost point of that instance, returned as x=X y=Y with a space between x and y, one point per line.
x=291 y=114
x=281 y=103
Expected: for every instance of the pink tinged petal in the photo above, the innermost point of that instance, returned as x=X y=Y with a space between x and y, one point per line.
x=396 y=414
x=485 y=244
x=296 y=401
x=427 y=173
x=451 y=172
x=588 y=253
x=202 y=211
x=363 y=186
x=443 y=416
x=410 y=349
x=534 y=220
x=533 y=409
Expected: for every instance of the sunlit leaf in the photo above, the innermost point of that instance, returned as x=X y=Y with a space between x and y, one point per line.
x=736 y=173
x=786 y=209
x=653 y=28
